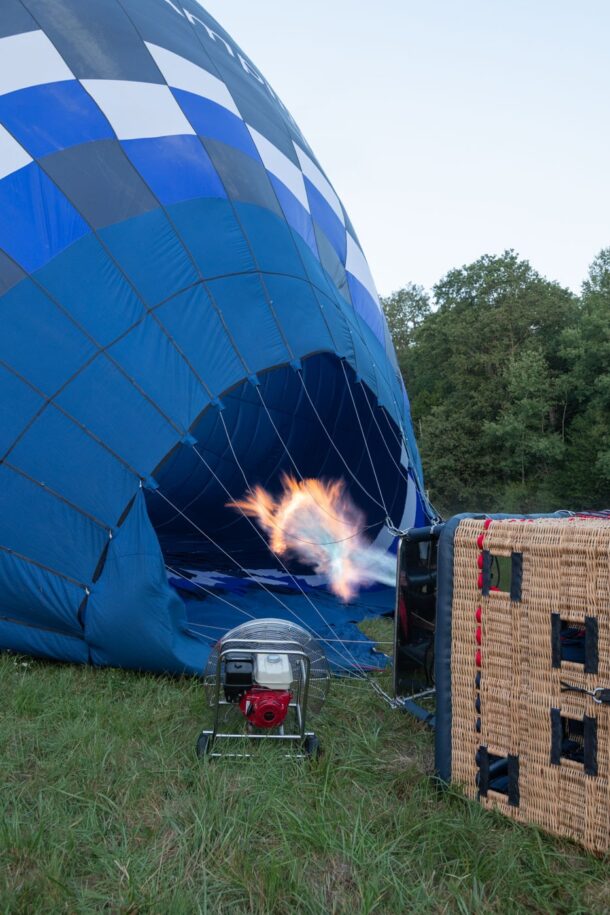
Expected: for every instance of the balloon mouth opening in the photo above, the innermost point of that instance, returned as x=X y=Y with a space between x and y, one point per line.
x=318 y=422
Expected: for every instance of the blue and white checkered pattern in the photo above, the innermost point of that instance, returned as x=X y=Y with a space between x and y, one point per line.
x=168 y=244
x=163 y=127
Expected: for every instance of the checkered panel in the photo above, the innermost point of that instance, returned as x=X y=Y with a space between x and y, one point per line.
x=182 y=132
x=165 y=232
x=45 y=110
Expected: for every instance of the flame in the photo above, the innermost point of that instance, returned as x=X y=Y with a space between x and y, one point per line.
x=317 y=522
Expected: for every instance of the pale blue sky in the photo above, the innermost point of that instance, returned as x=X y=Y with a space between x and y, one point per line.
x=450 y=128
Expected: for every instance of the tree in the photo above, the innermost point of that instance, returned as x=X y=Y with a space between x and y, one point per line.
x=586 y=474
x=485 y=370
x=525 y=439
x=405 y=311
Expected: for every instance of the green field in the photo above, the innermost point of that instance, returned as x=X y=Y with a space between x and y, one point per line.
x=104 y=807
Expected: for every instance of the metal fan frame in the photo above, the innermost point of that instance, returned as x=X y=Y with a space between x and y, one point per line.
x=278 y=635
x=207 y=739
x=300 y=646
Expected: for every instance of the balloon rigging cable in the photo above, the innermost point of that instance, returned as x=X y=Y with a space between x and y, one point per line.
x=348 y=654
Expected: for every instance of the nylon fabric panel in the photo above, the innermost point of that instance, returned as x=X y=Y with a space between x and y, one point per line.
x=327 y=219
x=175 y=168
x=183 y=478
x=299 y=315
x=10 y=273
x=366 y=307
x=100 y=181
x=387 y=382
x=18 y=405
x=256 y=101
x=148 y=356
x=51 y=117
x=37 y=220
x=110 y=305
x=334 y=310
x=35 y=597
x=95 y=38
x=38 y=341
x=421 y=512
x=296 y=215
x=213 y=122
x=314 y=271
x=362 y=360
x=329 y=260
x=271 y=241
x=214 y=237
x=15 y=19
x=168 y=27
x=42 y=643
x=76 y=466
x=133 y=600
x=39 y=513
x=151 y=254
x=106 y=403
x=243 y=177
x=250 y=321
x=194 y=324
x=259 y=110
x=410 y=436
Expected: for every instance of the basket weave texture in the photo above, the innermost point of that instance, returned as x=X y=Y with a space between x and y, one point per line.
x=561 y=578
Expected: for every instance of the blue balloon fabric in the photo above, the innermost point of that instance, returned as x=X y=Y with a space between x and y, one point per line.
x=185 y=310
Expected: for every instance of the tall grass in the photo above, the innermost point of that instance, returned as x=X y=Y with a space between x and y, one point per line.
x=104 y=807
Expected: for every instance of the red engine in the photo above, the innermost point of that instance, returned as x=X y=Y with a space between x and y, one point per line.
x=265 y=708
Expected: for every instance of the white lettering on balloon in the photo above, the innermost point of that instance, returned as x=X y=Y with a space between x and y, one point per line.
x=247 y=66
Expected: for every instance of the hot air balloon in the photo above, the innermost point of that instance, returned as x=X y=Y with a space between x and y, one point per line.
x=186 y=312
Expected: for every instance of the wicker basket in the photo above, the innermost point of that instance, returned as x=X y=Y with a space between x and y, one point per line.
x=530 y=642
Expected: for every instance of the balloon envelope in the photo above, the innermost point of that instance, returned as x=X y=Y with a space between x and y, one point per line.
x=186 y=310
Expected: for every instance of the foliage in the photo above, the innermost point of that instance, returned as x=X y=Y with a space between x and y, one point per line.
x=405 y=310
x=105 y=808
x=509 y=379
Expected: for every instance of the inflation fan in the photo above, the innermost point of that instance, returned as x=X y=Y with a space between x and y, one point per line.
x=262 y=681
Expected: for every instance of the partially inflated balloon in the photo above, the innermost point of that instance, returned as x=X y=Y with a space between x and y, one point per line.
x=185 y=311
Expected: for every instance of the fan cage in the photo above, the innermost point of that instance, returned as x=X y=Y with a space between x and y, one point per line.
x=279 y=636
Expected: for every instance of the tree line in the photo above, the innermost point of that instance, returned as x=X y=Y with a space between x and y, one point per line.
x=508 y=376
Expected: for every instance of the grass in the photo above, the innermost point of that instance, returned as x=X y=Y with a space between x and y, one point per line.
x=104 y=807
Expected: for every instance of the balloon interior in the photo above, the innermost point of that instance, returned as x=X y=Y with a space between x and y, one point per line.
x=188 y=322
x=318 y=523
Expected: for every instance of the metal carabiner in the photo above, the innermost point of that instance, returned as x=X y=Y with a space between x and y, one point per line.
x=600 y=695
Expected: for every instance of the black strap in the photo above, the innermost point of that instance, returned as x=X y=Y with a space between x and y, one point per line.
x=486 y=572
x=591 y=639
x=556 y=736
x=556 y=639
x=516 y=576
x=513 y=781
x=483 y=760
x=590 y=735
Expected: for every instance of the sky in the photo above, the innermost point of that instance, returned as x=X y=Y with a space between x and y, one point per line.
x=449 y=128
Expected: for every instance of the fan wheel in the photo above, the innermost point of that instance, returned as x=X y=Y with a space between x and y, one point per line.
x=203 y=742
x=311 y=746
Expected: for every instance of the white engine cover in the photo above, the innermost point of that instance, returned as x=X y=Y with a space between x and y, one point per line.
x=273 y=671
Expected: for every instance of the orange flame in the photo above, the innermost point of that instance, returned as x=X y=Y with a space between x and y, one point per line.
x=316 y=522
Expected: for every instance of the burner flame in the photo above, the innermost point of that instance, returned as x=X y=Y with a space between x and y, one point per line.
x=317 y=523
